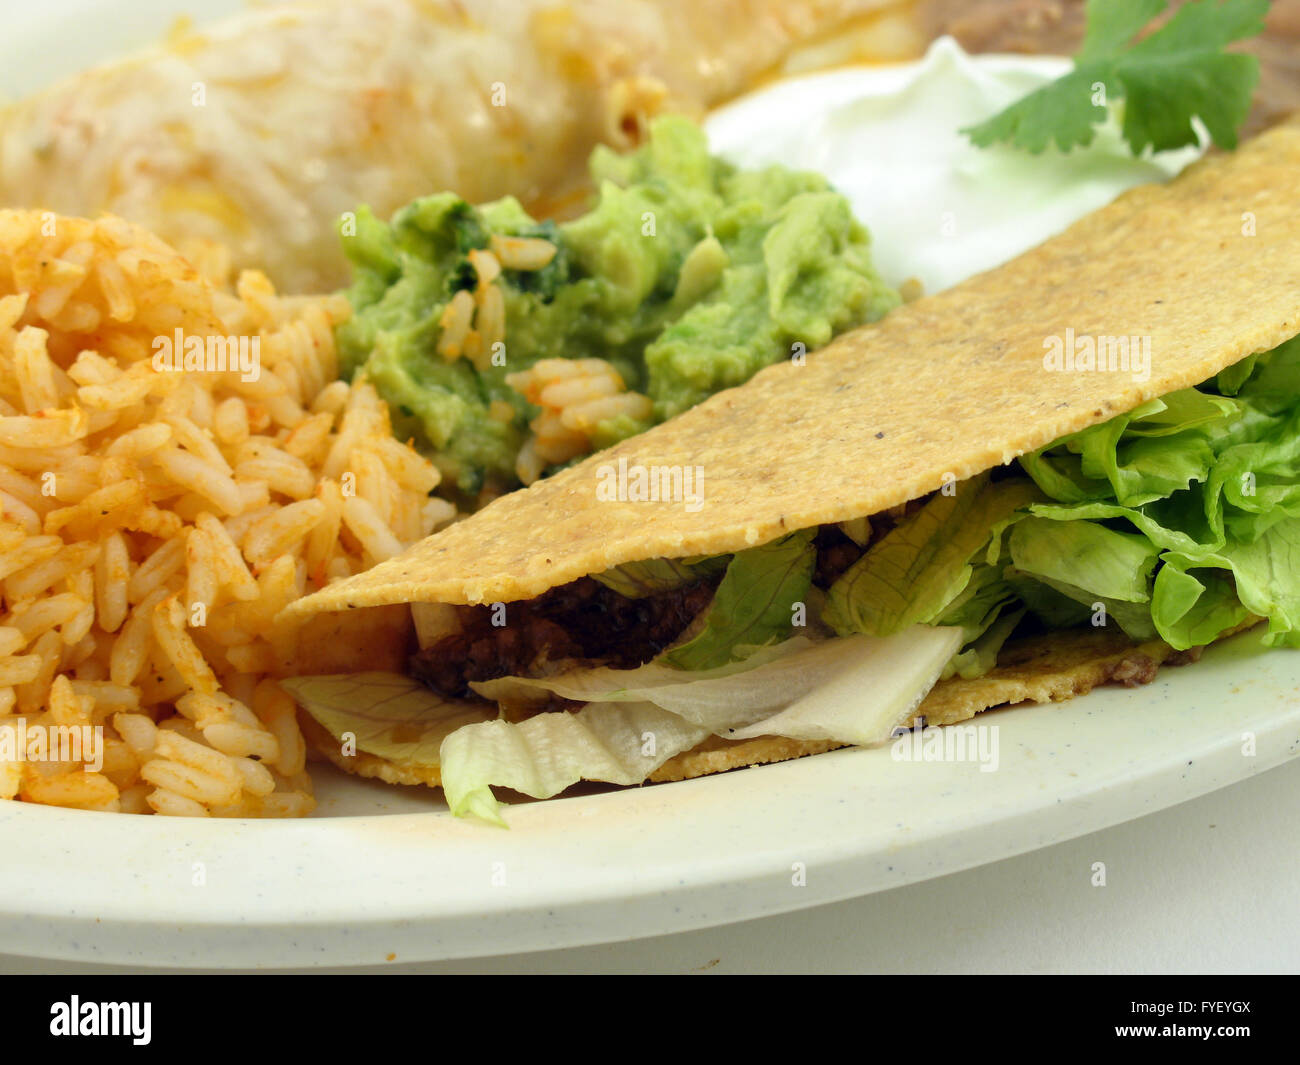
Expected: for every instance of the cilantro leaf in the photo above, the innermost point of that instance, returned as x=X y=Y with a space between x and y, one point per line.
x=1112 y=25
x=1178 y=73
x=1159 y=109
x=1062 y=112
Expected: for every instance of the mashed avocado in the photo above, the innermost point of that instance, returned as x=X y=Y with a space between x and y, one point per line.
x=688 y=275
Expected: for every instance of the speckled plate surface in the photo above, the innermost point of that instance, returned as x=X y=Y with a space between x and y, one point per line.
x=406 y=882
x=385 y=873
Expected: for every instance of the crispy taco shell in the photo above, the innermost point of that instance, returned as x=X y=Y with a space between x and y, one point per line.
x=946 y=387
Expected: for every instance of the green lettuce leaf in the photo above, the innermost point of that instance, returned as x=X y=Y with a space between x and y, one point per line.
x=635 y=580
x=1188 y=610
x=1176 y=524
x=1138 y=457
x=1266 y=577
x=754 y=604
x=1254 y=485
x=1090 y=564
x=1273 y=380
x=1113 y=565
x=980 y=613
x=1208 y=479
x=980 y=654
x=980 y=603
x=916 y=571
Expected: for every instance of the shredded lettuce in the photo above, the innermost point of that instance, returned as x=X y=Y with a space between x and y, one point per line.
x=863 y=703
x=388 y=715
x=921 y=567
x=755 y=604
x=620 y=743
x=727 y=696
x=1179 y=519
x=1210 y=480
x=1190 y=610
x=1116 y=566
x=851 y=690
x=980 y=654
x=1139 y=457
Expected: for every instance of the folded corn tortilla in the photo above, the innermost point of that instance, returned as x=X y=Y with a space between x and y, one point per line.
x=941 y=390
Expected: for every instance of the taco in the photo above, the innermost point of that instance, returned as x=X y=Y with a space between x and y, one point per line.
x=1063 y=472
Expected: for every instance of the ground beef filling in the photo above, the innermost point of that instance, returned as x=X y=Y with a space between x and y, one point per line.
x=588 y=622
x=583 y=620
x=835 y=554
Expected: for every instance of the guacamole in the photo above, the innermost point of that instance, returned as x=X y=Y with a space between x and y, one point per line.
x=687 y=274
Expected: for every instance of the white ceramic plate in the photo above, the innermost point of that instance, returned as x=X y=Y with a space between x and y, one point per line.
x=386 y=873
x=417 y=886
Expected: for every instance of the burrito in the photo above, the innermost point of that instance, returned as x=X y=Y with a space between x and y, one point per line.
x=1064 y=472
x=258 y=132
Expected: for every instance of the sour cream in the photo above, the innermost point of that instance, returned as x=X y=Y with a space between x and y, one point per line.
x=938 y=208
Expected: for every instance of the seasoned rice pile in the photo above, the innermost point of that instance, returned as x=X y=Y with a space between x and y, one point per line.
x=575 y=396
x=156 y=518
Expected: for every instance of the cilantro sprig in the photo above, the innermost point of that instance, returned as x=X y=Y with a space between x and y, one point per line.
x=1178 y=73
